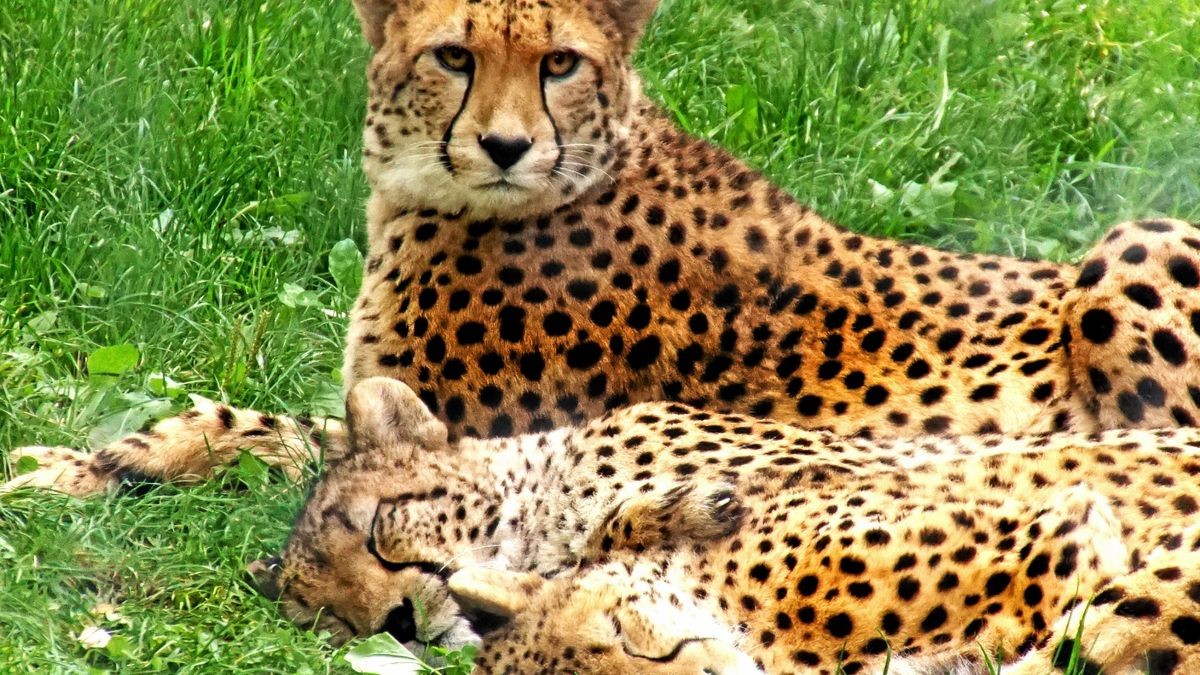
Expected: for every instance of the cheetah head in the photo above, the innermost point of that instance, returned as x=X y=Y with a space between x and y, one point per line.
x=372 y=547
x=499 y=107
x=610 y=618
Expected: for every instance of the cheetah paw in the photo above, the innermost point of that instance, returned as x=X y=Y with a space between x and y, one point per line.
x=681 y=512
x=719 y=514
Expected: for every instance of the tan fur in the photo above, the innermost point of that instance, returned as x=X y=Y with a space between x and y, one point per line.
x=625 y=261
x=185 y=448
x=930 y=547
x=1133 y=322
x=820 y=579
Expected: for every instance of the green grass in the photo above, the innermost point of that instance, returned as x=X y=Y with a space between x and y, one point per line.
x=167 y=167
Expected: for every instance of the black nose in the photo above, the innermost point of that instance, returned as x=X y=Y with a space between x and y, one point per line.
x=505 y=151
x=400 y=623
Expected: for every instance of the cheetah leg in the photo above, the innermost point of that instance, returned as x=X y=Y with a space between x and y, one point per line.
x=1145 y=621
x=646 y=520
x=185 y=448
x=1132 y=326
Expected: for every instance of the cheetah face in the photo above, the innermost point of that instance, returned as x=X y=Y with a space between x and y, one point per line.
x=369 y=551
x=613 y=618
x=502 y=108
x=336 y=576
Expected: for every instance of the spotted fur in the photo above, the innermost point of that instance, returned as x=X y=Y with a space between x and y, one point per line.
x=615 y=259
x=183 y=449
x=792 y=548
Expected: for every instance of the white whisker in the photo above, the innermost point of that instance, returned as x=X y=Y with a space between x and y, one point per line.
x=577 y=173
x=587 y=165
x=446 y=565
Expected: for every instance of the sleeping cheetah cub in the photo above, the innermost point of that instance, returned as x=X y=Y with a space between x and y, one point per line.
x=678 y=540
x=546 y=245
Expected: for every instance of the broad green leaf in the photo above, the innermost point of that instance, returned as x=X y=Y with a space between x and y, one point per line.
x=879 y=191
x=160 y=384
x=113 y=360
x=26 y=464
x=282 y=205
x=460 y=661
x=327 y=400
x=742 y=100
x=43 y=322
x=92 y=291
x=293 y=295
x=346 y=266
x=381 y=654
x=125 y=415
x=118 y=648
x=253 y=471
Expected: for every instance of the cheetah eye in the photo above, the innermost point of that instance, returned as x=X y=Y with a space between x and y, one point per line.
x=455 y=58
x=559 y=64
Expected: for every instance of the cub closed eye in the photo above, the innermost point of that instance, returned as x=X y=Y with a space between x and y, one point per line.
x=455 y=58
x=560 y=64
x=430 y=568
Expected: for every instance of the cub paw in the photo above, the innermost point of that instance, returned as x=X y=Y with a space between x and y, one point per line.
x=678 y=514
x=700 y=512
x=722 y=514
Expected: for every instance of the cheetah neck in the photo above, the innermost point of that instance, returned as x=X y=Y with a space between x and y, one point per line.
x=521 y=476
x=547 y=508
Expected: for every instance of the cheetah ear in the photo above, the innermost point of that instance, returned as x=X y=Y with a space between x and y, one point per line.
x=373 y=15
x=498 y=592
x=631 y=17
x=386 y=418
x=263 y=575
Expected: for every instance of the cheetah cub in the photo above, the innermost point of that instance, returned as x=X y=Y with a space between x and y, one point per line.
x=663 y=538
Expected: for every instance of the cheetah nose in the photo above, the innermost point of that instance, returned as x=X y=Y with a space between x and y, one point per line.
x=505 y=151
x=401 y=622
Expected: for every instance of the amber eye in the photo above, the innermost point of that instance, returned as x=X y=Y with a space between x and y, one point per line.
x=560 y=64
x=455 y=58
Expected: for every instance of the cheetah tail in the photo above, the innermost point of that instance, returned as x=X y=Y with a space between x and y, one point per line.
x=185 y=448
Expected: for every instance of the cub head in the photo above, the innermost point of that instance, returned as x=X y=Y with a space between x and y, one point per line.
x=372 y=547
x=505 y=108
x=611 y=618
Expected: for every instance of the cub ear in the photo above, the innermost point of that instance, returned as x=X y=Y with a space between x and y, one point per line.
x=387 y=418
x=373 y=15
x=499 y=592
x=631 y=17
x=264 y=576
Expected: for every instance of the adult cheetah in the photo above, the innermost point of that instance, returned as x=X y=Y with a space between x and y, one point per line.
x=546 y=245
x=679 y=540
